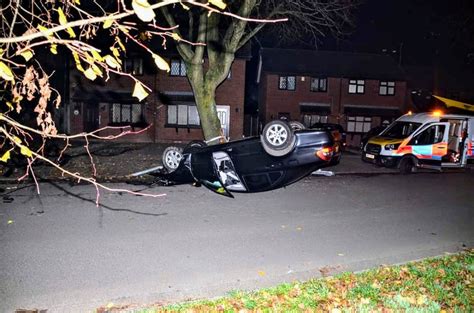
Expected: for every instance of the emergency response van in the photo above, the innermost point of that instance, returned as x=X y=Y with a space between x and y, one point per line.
x=423 y=140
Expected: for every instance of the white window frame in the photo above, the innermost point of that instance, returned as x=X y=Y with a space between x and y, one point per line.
x=311 y=119
x=387 y=88
x=320 y=84
x=359 y=124
x=124 y=107
x=181 y=68
x=182 y=115
x=356 y=86
x=284 y=83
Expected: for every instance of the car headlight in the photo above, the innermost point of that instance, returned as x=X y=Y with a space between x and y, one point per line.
x=392 y=146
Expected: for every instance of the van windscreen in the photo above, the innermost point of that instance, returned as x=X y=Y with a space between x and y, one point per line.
x=400 y=130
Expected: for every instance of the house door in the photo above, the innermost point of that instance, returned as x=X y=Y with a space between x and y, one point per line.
x=91 y=116
x=223 y=112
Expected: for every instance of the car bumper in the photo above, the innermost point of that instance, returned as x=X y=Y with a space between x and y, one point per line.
x=381 y=160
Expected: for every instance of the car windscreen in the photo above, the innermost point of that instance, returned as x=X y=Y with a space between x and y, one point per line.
x=400 y=130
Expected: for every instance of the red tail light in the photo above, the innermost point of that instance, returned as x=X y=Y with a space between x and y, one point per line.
x=325 y=153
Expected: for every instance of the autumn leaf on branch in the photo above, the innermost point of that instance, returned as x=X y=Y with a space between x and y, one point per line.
x=139 y=92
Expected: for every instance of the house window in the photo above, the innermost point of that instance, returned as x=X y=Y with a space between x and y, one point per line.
x=178 y=68
x=183 y=115
x=319 y=84
x=387 y=88
x=287 y=83
x=311 y=119
x=127 y=113
x=134 y=66
x=356 y=86
x=358 y=124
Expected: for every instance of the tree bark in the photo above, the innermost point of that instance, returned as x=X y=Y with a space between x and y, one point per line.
x=204 y=86
x=206 y=105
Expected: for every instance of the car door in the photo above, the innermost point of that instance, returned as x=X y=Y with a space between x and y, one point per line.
x=431 y=144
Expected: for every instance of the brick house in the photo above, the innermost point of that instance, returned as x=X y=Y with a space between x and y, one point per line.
x=170 y=108
x=358 y=91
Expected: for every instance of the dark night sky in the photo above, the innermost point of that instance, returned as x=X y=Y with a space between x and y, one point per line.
x=429 y=30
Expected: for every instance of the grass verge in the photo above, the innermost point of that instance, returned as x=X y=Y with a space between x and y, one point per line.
x=443 y=284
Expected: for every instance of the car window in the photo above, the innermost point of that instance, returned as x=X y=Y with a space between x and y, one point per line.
x=429 y=136
x=226 y=170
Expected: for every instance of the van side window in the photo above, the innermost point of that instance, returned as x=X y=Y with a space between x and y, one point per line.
x=429 y=136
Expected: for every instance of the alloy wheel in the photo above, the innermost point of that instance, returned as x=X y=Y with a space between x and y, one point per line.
x=173 y=158
x=277 y=135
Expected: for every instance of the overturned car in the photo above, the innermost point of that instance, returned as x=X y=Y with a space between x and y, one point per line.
x=278 y=158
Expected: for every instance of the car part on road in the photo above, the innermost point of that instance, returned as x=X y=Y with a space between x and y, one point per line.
x=153 y=169
x=171 y=158
x=323 y=173
x=278 y=138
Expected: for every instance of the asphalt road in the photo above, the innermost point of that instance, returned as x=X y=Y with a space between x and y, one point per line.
x=58 y=251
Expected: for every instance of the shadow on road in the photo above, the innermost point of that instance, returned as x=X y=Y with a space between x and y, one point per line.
x=59 y=187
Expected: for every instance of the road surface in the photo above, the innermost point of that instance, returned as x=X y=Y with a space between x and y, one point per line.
x=62 y=253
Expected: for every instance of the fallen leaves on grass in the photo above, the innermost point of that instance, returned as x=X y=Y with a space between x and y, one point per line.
x=443 y=284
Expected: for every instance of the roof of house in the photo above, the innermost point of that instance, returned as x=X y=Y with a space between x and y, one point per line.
x=170 y=50
x=330 y=64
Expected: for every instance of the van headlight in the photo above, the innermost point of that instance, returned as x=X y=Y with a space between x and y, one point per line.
x=392 y=146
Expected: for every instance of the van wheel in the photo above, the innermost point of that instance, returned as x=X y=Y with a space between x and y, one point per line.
x=172 y=157
x=278 y=138
x=407 y=166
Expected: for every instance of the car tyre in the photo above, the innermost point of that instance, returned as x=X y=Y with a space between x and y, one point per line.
x=407 y=165
x=278 y=138
x=295 y=125
x=171 y=158
x=194 y=146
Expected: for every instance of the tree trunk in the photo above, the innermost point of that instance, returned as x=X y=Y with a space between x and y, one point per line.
x=204 y=94
x=204 y=84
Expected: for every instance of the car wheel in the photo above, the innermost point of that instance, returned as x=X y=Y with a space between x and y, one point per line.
x=278 y=138
x=194 y=146
x=295 y=125
x=171 y=158
x=407 y=166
